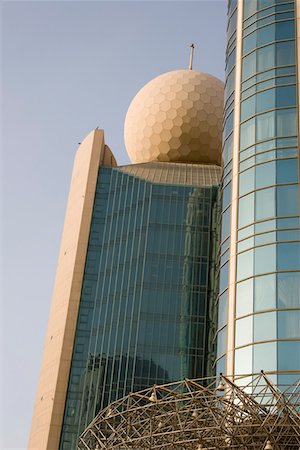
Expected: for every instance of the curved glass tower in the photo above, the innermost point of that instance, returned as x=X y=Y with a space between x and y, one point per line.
x=259 y=301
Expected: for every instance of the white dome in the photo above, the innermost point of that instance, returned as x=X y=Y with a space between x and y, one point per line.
x=176 y=117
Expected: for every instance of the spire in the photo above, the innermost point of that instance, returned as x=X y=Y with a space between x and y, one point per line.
x=191 y=56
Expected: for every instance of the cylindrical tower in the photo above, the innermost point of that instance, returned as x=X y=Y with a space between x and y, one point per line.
x=259 y=301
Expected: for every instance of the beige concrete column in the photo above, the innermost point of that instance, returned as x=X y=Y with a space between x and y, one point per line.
x=234 y=196
x=54 y=375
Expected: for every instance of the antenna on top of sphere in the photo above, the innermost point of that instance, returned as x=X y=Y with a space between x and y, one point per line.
x=191 y=56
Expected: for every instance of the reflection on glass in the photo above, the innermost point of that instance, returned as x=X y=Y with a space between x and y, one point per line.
x=223 y=309
x=265 y=326
x=244 y=298
x=265 y=259
x=288 y=256
x=245 y=265
x=246 y=210
x=287 y=200
x=265 y=204
x=246 y=181
x=264 y=357
x=288 y=290
x=243 y=360
x=265 y=292
x=289 y=324
x=288 y=355
x=221 y=343
x=243 y=331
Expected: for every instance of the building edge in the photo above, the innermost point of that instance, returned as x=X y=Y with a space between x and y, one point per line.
x=54 y=374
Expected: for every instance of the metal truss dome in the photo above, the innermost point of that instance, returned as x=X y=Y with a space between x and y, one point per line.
x=202 y=414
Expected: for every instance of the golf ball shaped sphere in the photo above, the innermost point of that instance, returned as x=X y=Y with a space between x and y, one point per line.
x=176 y=117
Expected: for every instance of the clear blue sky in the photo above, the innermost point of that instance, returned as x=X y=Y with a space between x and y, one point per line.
x=68 y=67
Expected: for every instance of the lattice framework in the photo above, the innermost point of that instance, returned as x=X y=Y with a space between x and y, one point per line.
x=250 y=413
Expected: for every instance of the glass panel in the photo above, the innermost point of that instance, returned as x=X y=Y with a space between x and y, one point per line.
x=249 y=65
x=246 y=181
x=248 y=108
x=265 y=238
x=246 y=244
x=285 y=53
x=226 y=196
x=265 y=326
x=265 y=204
x=227 y=151
x=221 y=365
x=286 y=123
x=265 y=292
x=285 y=95
x=243 y=361
x=244 y=298
x=287 y=200
x=287 y=171
x=288 y=324
x=246 y=210
x=288 y=256
x=223 y=309
x=265 y=126
x=288 y=290
x=265 y=100
x=243 y=331
x=221 y=345
x=247 y=133
x=223 y=277
x=266 y=35
x=266 y=58
x=288 y=355
x=225 y=224
x=265 y=357
x=245 y=265
x=265 y=259
x=285 y=30
x=265 y=175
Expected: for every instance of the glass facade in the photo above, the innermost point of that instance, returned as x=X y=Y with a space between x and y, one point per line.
x=267 y=296
x=145 y=304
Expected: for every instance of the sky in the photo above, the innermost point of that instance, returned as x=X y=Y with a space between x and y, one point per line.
x=68 y=67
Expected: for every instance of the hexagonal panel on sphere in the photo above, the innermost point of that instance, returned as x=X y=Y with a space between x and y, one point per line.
x=176 y=117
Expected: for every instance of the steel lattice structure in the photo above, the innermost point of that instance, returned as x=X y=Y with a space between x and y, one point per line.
x=250 y=413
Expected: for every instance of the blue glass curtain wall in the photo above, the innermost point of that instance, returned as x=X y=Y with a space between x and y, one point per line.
x=144 y=304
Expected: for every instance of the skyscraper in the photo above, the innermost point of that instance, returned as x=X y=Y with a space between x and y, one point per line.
x=259 y=302
x=136 y=278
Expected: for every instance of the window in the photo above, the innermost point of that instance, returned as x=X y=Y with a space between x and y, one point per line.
x=245 y=265
x=287 y=171
x=265 y=259
x=288 y=355
x=244 y=298
x=286 y=122
x=265 y=357
x=246 y=181
x=247 y=133
x=265 y=175
x=265 y=292
x=243 y=331
x=246 y=210
x=288 y=290
x=265 y=327
x=265 y=204
x=288 y=324
x=287 y=200
x=243 y=360
x=288 y=256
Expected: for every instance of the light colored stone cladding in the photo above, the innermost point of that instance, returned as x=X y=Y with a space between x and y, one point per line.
x=54 y=375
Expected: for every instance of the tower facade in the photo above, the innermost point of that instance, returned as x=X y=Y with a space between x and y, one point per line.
x=259 y=301
x=136 y=280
